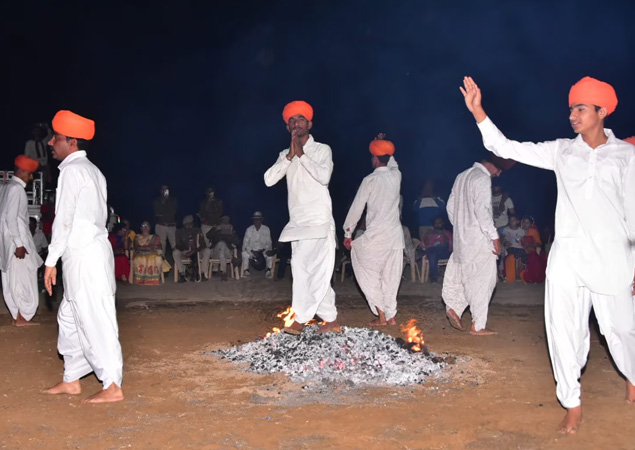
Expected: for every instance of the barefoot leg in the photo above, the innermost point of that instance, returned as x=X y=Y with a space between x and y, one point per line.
x=380 y=321
x=330 y=327
x=72 y=388
x=391 y=321
x=630 y=393
x=482 y=332
x=454 y=319
x=22 y=322
x=571 y=421
x=295 y=328
x=110 y=395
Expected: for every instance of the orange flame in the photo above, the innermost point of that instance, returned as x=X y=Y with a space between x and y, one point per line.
x=288 y=317
x=413 y=334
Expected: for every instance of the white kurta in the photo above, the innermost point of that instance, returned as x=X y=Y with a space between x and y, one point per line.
x=470 y=277
x=256 y=240
x=88 y=330
x=591 y=261
x=19 y=276
x=377 y=255
x=311 y=229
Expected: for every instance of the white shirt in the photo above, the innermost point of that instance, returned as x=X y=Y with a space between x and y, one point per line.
x=80 y=208
x=257 y=239
x=379 y=194
x=501 y=217
x=595 y=211
x=513 y=237
x=14 y=225
x=40 y=240
x=310 y=211
x=470 y=212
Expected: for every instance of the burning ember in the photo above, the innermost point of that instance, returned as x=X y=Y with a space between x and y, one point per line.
x=414 y=336
x=287 y=316
x=356 y=356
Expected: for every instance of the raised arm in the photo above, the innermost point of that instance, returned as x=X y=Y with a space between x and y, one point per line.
x=319 y=164
x=276 y=172
x=541 y=155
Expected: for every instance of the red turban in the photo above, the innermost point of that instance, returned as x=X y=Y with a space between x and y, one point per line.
x=295 y=108
x=25 y=163
x=630 y=140
x=380 y=147
x=589 y=91
x=73 y=125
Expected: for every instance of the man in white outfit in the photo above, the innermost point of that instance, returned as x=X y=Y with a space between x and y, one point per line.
x=88 y=331
x=470 y=276
x=377 y=256
x=257 y=237
x=591 y=262
x=19 y=259
x=308 y=166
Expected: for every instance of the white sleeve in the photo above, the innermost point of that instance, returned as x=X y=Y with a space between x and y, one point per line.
x=320 y=166
x=67 y=189
x=541 y=155
x=483 y=209
x=509 y=204
x=357 y=208
x=13 y=214
x=276 y=172
x=629 y=202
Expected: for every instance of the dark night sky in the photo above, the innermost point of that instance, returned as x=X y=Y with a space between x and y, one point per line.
x=191 y=94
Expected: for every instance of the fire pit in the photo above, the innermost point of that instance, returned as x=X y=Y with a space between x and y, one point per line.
x=356 y=356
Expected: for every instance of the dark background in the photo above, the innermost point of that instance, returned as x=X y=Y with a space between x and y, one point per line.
x=191 y=93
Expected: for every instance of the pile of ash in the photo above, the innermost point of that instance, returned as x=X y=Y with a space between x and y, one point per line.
x=356 y=356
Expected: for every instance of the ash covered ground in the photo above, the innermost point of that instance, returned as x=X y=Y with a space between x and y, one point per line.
x=354 y=357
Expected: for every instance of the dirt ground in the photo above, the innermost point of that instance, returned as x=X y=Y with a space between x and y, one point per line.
x=178 y=396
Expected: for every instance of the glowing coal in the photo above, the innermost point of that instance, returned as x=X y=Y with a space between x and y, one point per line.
x=358 y=356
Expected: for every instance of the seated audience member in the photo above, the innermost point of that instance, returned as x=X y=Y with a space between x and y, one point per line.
x=224 y=241
x=257 y=239
x=437 y=244
x=536 y=266
x=282 y=251
x=148 y=257
x=409 y=249
x=118 y=241
x=189 y=241
x=427 y=207
x=516 y=255
x=41 y=244
x=131 y=234
x=48 y=214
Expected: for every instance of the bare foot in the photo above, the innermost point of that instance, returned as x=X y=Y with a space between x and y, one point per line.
x=295 y=328
x=454 y=319
x=571 y=421
x=110 y=395
x=482 y=332
x=22 y=322
x=378 y=323
x=329 y=327
x=72 y=388
x=630 y=393
x=391 y=321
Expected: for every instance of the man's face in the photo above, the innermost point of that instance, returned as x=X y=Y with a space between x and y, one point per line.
x=257 y=222
x=438 y=223
x=165 y=191
x=60 y=147
x=24 y=175
x=32 y=226
x=188 y=225
x=584 y=118
x=497 y=190
x=299 y=124
x=513 y=222
x=210 y=194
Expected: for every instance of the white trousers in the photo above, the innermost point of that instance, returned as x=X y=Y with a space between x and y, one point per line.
x=246 y=254
x=312 y=263
x=224 y=254
x=19 y=288
x=378 y=273
x=470 y=285
x=166 y=234
x=89 y=339
x=567 y=310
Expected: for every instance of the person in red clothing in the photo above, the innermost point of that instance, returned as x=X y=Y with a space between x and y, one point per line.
x=48 y=214
x=118 y=241
x=437 y=243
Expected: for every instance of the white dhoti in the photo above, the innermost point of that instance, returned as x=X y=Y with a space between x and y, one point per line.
x=470 y=285
x=19 y=288
x=567 y=310
x=88 y=330
x=312 y=263
x=378 y=273
x=224 y=254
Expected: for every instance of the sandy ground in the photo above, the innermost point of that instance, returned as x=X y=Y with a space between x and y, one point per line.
x=178 y=396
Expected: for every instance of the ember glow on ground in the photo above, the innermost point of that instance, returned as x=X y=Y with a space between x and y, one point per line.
x=356 y=356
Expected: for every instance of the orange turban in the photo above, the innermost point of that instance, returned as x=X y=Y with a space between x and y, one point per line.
x=630 y=140
x=590 y=91
x=73 y=125
x=25 y=163
x=295 y=108
x=380 y=147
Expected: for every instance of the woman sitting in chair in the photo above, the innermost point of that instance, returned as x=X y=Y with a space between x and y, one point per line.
x=148 y=257
x=118 y=241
